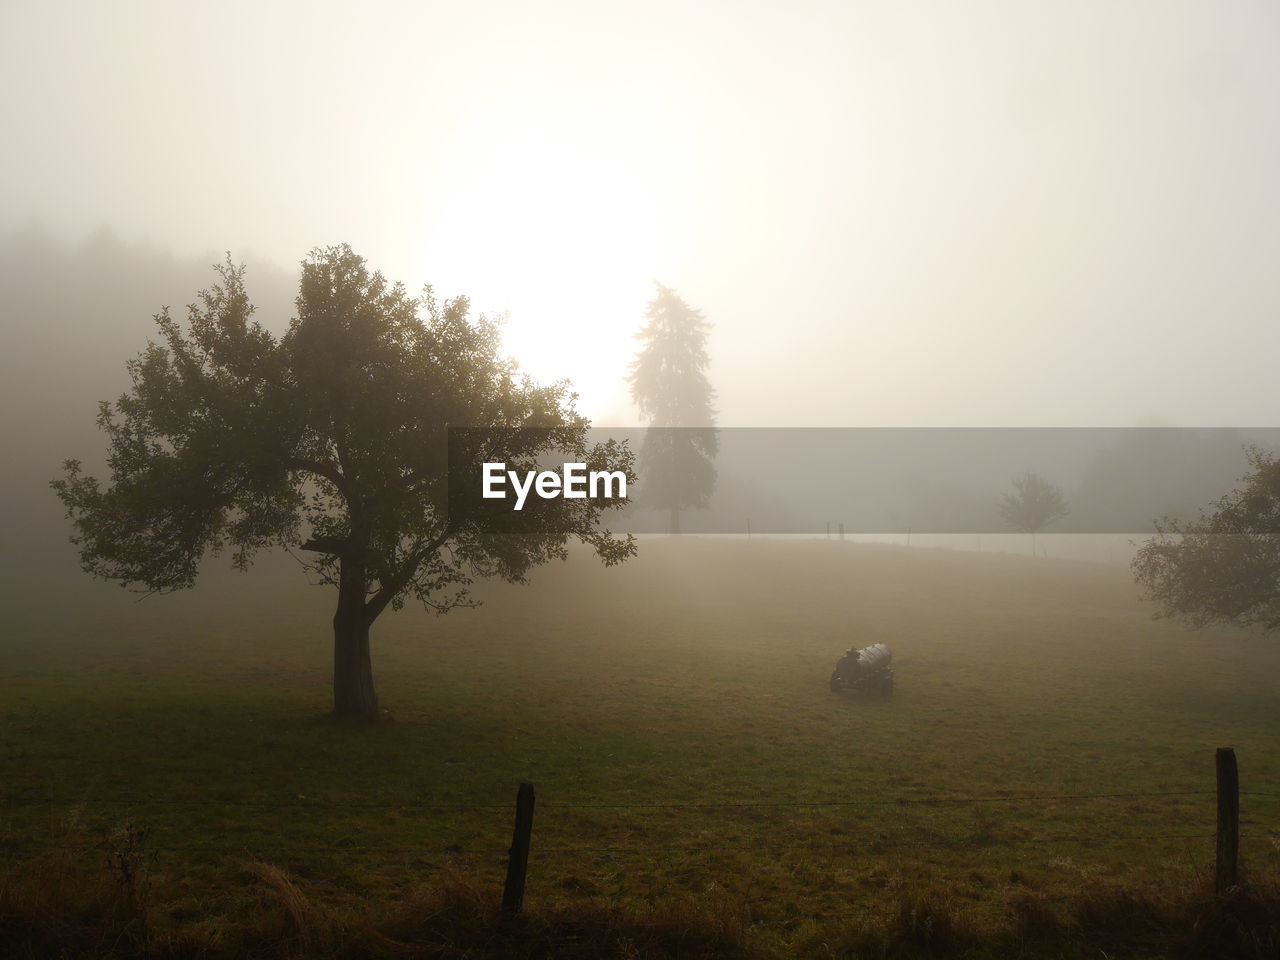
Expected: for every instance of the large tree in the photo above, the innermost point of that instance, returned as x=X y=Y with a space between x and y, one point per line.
x=332 y=439
x=669 y=384
x=1031 y=505
x=1224 y=567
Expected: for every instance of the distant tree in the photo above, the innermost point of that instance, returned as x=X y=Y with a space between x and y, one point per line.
x=331 y=439
x=1033 y=504
x=1224 y=567
x=669 y=384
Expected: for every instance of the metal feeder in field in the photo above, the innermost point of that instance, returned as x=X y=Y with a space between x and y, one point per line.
x=864 y=671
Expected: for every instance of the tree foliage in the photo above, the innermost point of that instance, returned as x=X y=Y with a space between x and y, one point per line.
x=1033 y=504
x=331 y=439
x=669 y=384
x=1225 y=566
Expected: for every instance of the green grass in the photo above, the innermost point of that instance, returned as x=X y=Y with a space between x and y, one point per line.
x=694 y=675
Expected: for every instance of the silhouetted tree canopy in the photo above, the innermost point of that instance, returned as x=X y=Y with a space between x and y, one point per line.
x=1224 y=567
x=1032 y=505
x=669 y=384
x=67 y=305
x=331 y=439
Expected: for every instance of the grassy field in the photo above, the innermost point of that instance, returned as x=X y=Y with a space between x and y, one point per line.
x=699 y=787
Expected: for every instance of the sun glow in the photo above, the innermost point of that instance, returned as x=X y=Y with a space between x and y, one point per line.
x=566 y=238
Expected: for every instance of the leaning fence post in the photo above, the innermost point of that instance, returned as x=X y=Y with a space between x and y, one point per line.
x=518 y=856
x=1228 y=847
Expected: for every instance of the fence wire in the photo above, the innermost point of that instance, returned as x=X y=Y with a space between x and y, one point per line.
x=454 y=851
x=424 y=804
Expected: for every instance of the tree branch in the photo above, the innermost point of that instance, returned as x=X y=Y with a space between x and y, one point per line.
x=404 y=576
x=325 y=545
x=327 y=470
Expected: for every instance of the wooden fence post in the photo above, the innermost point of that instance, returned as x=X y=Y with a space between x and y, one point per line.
x=1228 y=847
x=518 y=856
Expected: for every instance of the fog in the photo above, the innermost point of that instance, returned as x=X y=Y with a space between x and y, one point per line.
x=895 y=215
x=942 y=215
x=963 y=606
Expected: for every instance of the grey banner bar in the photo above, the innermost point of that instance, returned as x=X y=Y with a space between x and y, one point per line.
x=934 y=480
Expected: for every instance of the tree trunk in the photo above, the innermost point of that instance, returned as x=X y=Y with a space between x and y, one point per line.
x=675 y=520
x=353 y=695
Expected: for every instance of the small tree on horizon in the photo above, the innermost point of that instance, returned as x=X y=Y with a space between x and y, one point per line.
x=1225 y=566
x=1033 y=504
x=669 y=384
x=332 y=439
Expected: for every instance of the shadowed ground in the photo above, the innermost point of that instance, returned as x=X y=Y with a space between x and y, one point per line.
x=675 y=717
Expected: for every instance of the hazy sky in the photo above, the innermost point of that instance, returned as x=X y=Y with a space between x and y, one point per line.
x=955 y=213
